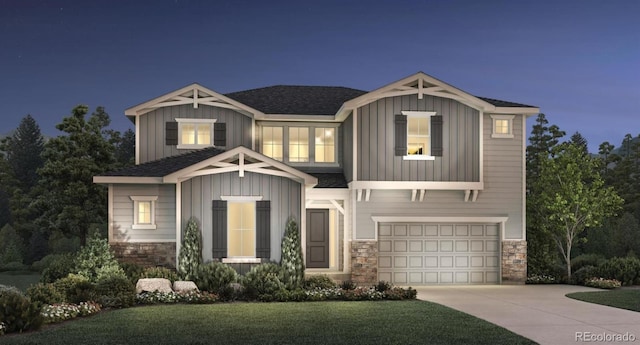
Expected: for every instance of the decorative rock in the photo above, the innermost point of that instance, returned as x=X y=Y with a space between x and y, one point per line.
x=184 y=286
x=153 y=284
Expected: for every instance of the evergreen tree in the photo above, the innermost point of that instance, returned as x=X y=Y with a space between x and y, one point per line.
x=7 y=185
x=70 y=201
x=291 y=260
x=625 y=237
x=579 y=141
x=24 y=149
x=191 y=251
x=605 y=150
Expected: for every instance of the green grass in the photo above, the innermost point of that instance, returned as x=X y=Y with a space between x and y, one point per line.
x=386 y=322
x=21 y=280
x=621 y=298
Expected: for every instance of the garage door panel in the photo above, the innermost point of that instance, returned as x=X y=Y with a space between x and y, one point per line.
x=421 y=254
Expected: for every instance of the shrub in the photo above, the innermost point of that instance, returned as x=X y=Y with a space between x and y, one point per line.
x=132 y=271
x=215 y=277
x=602 y=283
x=347 y=285
x=76 y=288
x=45 y=294
x=191 y=297
x=116 y=292
x=190 y=251
x=160 y=272
x=626 y=270
x=59 y=266
x=17 y=312
x=65 y=311
x=43 y=263
x=319 y=281
x=583 y=274
x=263 y=280
x=292 y=262
x=541 y=279
x=14 y=266
x=383 y=286
x=95 y=260
x=11 y=247
x=586 y=260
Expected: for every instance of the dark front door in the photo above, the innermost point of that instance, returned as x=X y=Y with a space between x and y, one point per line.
x=317 y=238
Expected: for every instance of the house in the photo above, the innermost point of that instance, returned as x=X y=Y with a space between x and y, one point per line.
x=416 y=182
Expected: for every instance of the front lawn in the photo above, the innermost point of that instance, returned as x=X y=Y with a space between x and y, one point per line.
x=620 y=298
x=380 y=322
x=21 y=280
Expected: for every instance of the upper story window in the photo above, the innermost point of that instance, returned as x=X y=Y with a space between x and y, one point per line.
x=195 y=133
x=502 y=126
x=418 y=134
x=272 y=142
x=299 y=144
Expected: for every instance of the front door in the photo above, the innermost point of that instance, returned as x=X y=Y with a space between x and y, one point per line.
x=317 y=238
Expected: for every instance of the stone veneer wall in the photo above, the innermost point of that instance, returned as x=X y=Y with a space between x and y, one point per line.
x=514 y=262
x=146 y=254
x=364 y=262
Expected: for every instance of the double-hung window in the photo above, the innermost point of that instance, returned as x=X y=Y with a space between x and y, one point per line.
x=195 y=133
x=144 y=214
x=418 y=134
x=298 y=144
x=272 y=142
x=325 y=145
x=242 y=229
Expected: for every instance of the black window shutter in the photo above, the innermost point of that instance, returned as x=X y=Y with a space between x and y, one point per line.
x=436 y=135
x=171 y=133
x=263 y=229
x=220 y=134
x=401 y=135
x=219 y=229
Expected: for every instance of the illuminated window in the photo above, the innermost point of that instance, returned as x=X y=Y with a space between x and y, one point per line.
x=325 y=145
x=272 y=142
x=144 y=212
x=241 y=229
x=195 y=133
x=418 y=138
x=298 y=144
x=502 y=126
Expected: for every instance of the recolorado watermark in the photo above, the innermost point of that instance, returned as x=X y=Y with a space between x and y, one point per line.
x=591 y=337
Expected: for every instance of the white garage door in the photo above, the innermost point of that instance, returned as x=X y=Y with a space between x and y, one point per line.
x=424 y=254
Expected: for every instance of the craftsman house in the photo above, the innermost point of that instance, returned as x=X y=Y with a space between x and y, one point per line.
x=416 y=183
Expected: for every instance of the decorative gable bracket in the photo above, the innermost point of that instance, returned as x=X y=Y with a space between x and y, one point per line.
x=471 y=194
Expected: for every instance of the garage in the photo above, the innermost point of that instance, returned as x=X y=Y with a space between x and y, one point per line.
x=438 y=253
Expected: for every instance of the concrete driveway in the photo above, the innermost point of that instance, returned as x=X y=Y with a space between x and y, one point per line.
x=540 y=312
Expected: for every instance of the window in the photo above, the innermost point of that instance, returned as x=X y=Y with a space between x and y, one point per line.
x=325 y=145
x=195 y=133
x=299 y=144
x=144 y=212
x=502 y=126
x=418 y=145
x=272 y=142
x=242 y=229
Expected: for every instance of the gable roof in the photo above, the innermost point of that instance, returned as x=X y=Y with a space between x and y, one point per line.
x=506 y=104
x=296 y=99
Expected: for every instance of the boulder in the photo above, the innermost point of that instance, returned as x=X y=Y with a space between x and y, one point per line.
x=153 y=284
x=184 y=286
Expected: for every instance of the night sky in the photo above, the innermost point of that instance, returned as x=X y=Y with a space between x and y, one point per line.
x=579 y=61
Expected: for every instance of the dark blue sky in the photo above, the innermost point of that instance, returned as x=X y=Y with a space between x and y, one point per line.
x=579 y=61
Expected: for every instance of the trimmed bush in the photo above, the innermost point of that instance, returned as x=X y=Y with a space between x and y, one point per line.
x=76 y=288
x=132 y=271
x=319 y=281
x=58 y=266
x=292 y=262
x=262 y=281
x=95 y=260
x=190 y=257
x=216 y=277
x=586 y=260
x=160 y=272
x=116 y=292
x=626 y=270
x=583 y=274
x=42 y=294
x=17 y=312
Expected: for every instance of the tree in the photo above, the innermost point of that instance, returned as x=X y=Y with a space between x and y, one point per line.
x=541 y=253
x=580 y=141
x=124 y=146
x=574 y=196
x=24 y=149
x=70 y=201
x=191 y=251
x=605 y=150
x=7 y=184
x=291 y=260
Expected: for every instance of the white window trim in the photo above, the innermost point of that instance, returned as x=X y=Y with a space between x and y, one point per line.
x=182 y=121
x=136 y=201
x=424 y=114
x=509 y=118
x=243 y=199
x=312 y=143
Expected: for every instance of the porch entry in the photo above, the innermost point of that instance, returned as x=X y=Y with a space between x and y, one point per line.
x=317 y=248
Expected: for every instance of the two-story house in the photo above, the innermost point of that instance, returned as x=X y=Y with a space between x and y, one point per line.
x=416 y=183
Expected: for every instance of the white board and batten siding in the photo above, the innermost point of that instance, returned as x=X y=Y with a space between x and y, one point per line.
x=165 y=213
x=199 y=192
x=151 y=129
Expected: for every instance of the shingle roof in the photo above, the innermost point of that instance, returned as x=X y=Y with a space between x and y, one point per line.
x=297 y=100
x=499 y=103
x=166 y=166
x=330 y=180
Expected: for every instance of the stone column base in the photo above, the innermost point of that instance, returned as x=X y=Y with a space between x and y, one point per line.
x=514 y=261
x=146 y=254
x=364 y=262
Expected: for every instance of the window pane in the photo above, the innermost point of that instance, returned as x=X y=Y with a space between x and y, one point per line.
x=241 y=229
x=204 y=134
x=325 y=145
x=418 y=136
x=298 y=144
x=144 y=212
x=502 y=127
x=188 y=134
x=272 y=142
